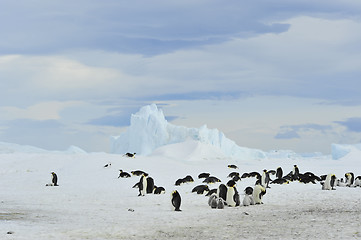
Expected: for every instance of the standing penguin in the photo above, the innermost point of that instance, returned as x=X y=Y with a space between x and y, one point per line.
x=279 y=173
x=349 y=179
x=222 y=191
x=295 y=173
x=329 y=183
x=232 y=197
x=54 y=179
x=176 y=200
x=150 y=185
x=248 y=197
x=220 y=204
x=143 y=184
x=258 y=192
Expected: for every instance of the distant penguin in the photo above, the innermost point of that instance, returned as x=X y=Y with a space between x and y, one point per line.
x=220 y=204
x=350 y=178
x=222 y=191
x=54 y=179
x=123 y=174
x=131 y=155
x=258 y=193
x=232 y=197
x=279 y=173
x=295 y=173
x=176 y=200
x=329 y=183
x=159 y=190
x=150 y=185
x=204 y=175
x=143 y=185
x=232 y=166
x=108 y=165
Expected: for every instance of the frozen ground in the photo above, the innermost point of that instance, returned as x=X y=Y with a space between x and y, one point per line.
x=92 y=203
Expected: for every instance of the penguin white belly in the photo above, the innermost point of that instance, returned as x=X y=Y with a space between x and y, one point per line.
x=230 y=201
x=327 y=184
x=247 y=200
x=144 y=190
x=256 y=194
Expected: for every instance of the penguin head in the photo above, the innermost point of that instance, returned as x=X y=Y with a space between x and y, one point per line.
x=231 y=183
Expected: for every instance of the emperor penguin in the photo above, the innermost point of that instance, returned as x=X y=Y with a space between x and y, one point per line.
x=176 y=200
x=54 y=179
x=349 y=179
x=258 y=192
x=248 y=197
x=222 y=191
x=143 y=184
x=213 y=196
x=329 y=183
x=232 y=197
x=358 y=181
x=295 y=173
x=279 y=173
x=220 y=204
x=150 y=185
x=214 y=202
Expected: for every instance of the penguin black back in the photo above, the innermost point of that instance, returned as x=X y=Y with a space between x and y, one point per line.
x=54 y=179
x=176 y=200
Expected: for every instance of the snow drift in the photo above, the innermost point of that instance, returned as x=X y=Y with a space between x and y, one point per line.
x=149 y=130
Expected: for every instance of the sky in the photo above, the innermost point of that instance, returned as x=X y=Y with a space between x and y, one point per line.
x=269 y=74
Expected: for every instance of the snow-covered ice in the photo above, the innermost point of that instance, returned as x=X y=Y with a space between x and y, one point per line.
x=91 y=202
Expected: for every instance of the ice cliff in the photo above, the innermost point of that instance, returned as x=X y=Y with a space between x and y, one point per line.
x=149 y=130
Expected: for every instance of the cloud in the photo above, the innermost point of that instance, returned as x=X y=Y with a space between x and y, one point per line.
x=352 y=124
x=296 y=131
x=40 y=111
x=287 y=135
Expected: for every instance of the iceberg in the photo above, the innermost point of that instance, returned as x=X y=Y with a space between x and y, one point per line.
x=150 y=130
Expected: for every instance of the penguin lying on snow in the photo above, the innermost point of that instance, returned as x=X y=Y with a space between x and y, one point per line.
x=200 y=189
x=109 y=164
x=186 y=179
x=176 y=200
x=159 y=190
x=204 y=175
x=211 y=179
x=131 y=155
x=137 y=172
x=232 y=166
x=123 y=174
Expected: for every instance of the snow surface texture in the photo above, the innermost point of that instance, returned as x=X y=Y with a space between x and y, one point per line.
x=91 y=202
x=149 y=130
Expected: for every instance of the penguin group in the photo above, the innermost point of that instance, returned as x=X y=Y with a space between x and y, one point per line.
x=226 y=193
